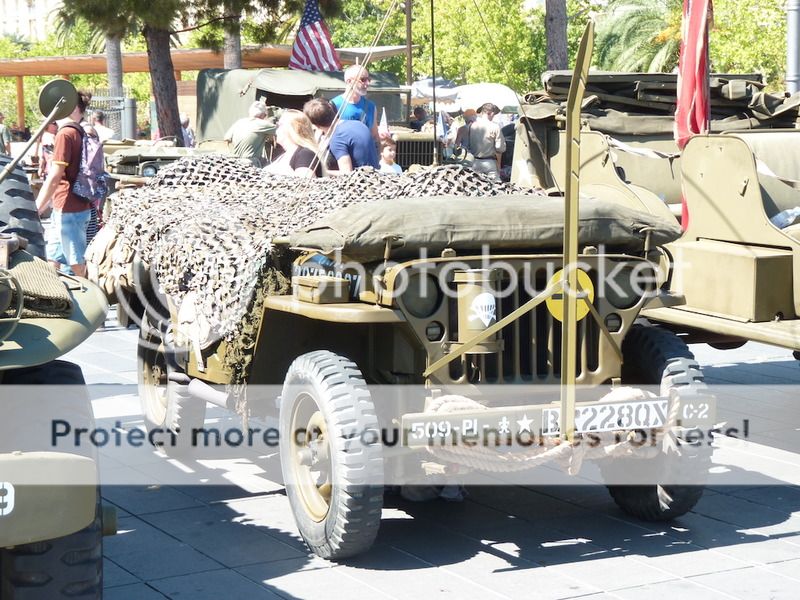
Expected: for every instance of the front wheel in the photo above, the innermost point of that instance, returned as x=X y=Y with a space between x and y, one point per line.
x=331 y=455
x=657 y=356
x=171 y=414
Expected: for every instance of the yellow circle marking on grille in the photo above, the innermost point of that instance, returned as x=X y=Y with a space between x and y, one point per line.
x=555 y=303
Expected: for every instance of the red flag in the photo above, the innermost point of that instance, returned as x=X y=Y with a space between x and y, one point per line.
x=313 y=49
x=692 y=111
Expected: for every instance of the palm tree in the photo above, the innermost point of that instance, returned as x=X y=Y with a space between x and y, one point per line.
x=109 y=41
x=639 y=35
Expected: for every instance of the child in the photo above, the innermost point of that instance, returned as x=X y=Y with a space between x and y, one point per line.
x=388 y=152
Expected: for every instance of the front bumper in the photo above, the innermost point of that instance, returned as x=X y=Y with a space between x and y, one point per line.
x=539 y=424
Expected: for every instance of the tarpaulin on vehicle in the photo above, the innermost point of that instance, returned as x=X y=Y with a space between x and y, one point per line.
x=738 y=103
x=520 y=223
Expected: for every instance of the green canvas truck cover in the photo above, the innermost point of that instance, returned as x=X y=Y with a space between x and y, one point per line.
x=519 y=223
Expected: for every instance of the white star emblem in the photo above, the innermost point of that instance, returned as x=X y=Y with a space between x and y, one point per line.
x=524 y=424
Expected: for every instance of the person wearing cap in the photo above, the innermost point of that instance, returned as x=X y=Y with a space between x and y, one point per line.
x=5 y=136
x=485 y=141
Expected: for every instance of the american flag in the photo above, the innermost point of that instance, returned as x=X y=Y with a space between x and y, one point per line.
x=313 y=49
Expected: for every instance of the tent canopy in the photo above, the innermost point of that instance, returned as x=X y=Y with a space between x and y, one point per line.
x=454 y=98
x=422 y=91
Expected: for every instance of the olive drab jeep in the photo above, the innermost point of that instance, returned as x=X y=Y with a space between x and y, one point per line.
x=442 y=321
x=735 y=188
x=51 y=520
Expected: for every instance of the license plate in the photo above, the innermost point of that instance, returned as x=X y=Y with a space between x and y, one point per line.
x=642 y=414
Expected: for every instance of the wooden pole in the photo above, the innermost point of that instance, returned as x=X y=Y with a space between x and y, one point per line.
x=20 y=103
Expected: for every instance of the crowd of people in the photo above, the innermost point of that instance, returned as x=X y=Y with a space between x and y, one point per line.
x=342 y=134
x=326 y=137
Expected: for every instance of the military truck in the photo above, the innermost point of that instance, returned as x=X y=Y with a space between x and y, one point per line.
x=731 y=187
x=51 y=520
x=439 y=321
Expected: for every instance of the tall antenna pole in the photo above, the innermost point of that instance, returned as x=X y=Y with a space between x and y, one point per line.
x=409 y=74
x=792 y=46
x=433 y=75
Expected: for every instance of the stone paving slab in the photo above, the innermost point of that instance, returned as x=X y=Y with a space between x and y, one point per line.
x=214 y=584
x=751 y=583
x=136 y=591
x=150 y=554
x=216 y=534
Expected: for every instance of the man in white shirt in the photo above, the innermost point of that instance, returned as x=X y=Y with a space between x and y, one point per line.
x=98 y=121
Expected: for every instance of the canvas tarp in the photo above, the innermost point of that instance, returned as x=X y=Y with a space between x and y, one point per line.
x=518 y=223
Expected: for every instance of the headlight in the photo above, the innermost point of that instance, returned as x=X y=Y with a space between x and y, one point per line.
x=628 y=285
x=149 y=170
x=422 y=295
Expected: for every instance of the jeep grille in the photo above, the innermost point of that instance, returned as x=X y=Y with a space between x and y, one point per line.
x=531 y=345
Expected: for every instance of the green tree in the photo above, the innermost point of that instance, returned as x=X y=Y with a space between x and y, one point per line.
x=113 y=16
x=508 y=49
x=229 y=22
x=750 y=37
x=645 y=35
x=639 y=35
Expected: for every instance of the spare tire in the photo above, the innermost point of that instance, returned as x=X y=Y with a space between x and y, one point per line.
x=18 y=212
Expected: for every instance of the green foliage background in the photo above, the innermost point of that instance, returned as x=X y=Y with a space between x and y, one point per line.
x=502 y=42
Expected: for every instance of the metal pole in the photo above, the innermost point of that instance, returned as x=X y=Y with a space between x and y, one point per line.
x=569 y=329
x=129 y=118
x=409 y=67
x=793 y=46
x=433 y=75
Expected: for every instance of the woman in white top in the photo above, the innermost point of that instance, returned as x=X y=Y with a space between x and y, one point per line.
x=296 y=136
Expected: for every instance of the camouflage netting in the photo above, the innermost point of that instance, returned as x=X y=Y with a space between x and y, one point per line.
x=205 y=225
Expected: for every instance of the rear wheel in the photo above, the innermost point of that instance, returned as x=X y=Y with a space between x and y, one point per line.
x=65 y=567
x=18 y=212
x=171 y=414
x=70 y=566
x=331 y=455
x=657 y=356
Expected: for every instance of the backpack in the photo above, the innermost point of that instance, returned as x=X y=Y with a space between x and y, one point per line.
x=90 y=183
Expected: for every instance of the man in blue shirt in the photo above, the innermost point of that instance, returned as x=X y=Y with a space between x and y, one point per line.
x=351 y=143
x=356 y=106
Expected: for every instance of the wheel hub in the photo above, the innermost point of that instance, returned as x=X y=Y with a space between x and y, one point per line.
x=311 y=452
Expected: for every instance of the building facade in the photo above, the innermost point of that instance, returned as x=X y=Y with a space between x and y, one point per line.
x=27 y=19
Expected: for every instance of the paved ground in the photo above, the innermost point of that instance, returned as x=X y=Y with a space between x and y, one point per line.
x=239 y=541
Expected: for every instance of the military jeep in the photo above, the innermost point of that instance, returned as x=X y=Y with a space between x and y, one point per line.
x=136 y=164
x=51 y=520
x=447 y=331
x=438 y=322
x=734 y=190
